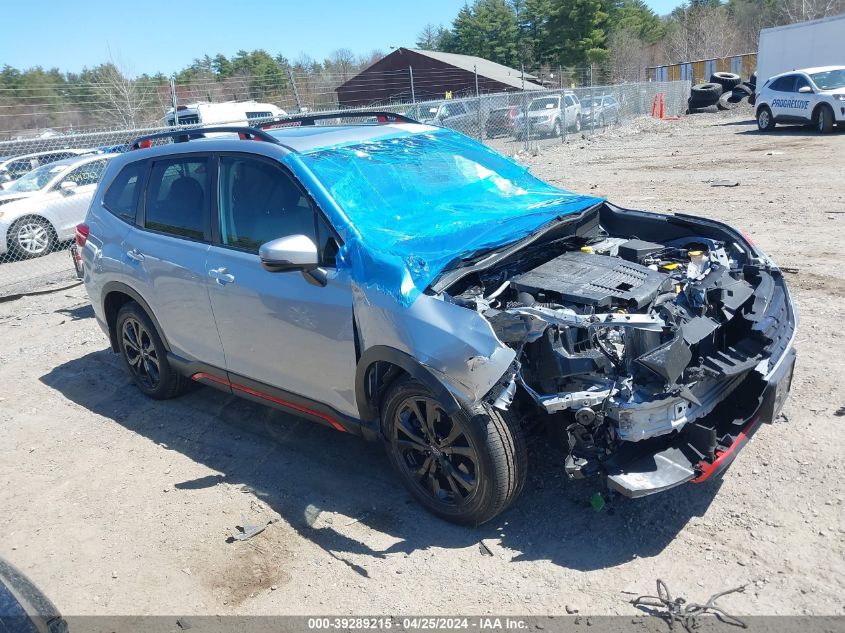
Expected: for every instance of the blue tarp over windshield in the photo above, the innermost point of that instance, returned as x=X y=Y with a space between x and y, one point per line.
x=415 y=200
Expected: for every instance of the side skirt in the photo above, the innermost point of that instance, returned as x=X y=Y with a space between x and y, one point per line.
x=265 y=394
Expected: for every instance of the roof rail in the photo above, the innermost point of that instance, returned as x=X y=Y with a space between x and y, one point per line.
x=381 y=116
x=182 y=136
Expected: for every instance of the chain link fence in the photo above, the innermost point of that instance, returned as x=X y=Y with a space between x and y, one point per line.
x=48 y=180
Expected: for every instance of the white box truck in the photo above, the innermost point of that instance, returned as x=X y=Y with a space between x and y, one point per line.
x=801 y=45
x=230 y=112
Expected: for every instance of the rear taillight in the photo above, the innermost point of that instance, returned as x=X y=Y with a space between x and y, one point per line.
x=82 y=233
x=145 y=144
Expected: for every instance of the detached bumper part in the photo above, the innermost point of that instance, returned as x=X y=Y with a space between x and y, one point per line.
x=706 y=447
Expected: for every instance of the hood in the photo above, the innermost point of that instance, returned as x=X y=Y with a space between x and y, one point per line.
x=11 y=196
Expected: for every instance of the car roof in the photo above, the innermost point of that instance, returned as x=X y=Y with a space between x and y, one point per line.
x=46 y=153
x=80 y=160
x=808 y=71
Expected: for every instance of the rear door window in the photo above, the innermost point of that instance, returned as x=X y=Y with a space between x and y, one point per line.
x=176 y=201
x=784 y=84
x=122 y=195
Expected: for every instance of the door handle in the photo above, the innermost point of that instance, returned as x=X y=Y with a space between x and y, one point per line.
x=221 y=276
x=135 y=255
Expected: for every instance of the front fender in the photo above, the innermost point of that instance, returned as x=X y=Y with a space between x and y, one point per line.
x=453 y=349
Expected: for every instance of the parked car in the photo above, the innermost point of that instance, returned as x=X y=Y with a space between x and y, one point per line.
x=460 y=115
x=42 y=208
x=14 y=167
x=500 y=121
x=548 y=116
x=814 y=96
x=600 y=111
x=409 y=284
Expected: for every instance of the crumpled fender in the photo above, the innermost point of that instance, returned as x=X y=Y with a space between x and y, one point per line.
x=454 y=346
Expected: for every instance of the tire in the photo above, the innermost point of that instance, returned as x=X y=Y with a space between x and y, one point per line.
x=557 y=131
x=765 y=120
x=31 y=237
x=823 y=119
x=466 y=480
x=725 y=102
x=742 y=90
x=145 y=355
x=726 y=80
x=703 y=95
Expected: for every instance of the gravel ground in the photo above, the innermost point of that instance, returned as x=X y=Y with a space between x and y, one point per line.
x=115 y=504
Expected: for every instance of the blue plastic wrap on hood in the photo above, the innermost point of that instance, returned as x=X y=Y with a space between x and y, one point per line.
x=413 y=201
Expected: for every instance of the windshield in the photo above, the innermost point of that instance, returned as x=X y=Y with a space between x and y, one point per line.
x=37 y=179
x=425 y=198
x=830 y=80
x=546 y=103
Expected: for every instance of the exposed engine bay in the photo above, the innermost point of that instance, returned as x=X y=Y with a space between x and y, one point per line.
x=623 y=338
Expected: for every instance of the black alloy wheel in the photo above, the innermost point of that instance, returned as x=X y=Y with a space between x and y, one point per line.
x=435 y=451
x=140 y=353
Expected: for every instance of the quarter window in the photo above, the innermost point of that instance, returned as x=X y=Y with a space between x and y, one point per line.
x=259 y=202
x=176 y=197
x=122 y=195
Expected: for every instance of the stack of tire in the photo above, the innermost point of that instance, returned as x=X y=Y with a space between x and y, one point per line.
x=724 y=91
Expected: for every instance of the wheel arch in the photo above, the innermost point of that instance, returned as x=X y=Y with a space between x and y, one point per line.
x=33 y=216
x=818 y=108
x=115 y=296
x=380 y=366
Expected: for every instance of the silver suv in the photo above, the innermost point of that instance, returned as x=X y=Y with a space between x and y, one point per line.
x=405 y=283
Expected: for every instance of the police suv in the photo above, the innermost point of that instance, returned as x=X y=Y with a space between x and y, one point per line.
x=810 y=96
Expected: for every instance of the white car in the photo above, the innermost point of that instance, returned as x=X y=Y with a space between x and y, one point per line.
x=43 y=207
x=809 y=96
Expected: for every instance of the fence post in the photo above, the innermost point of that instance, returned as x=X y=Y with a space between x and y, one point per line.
x=592 y=103
x=173 y=101
x=295 y=91
x=478 y=103
x=413 y=94
x=526 y=121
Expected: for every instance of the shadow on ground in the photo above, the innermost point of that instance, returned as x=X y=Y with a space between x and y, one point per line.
x=296 y=466
x=781 y=130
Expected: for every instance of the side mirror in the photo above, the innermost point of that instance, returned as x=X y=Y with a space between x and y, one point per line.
x=805 y=90
x=5 y=177
x=294 y=252
x=67 y=187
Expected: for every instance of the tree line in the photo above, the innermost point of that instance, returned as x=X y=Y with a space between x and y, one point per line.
x=615 y=38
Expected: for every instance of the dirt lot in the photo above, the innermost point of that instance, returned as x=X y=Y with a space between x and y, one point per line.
x=116 y=504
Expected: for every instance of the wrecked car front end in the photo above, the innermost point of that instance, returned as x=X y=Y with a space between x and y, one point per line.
x=652 y=359
x=651 y=346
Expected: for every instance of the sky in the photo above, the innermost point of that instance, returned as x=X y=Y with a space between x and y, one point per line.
x=148 y=36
